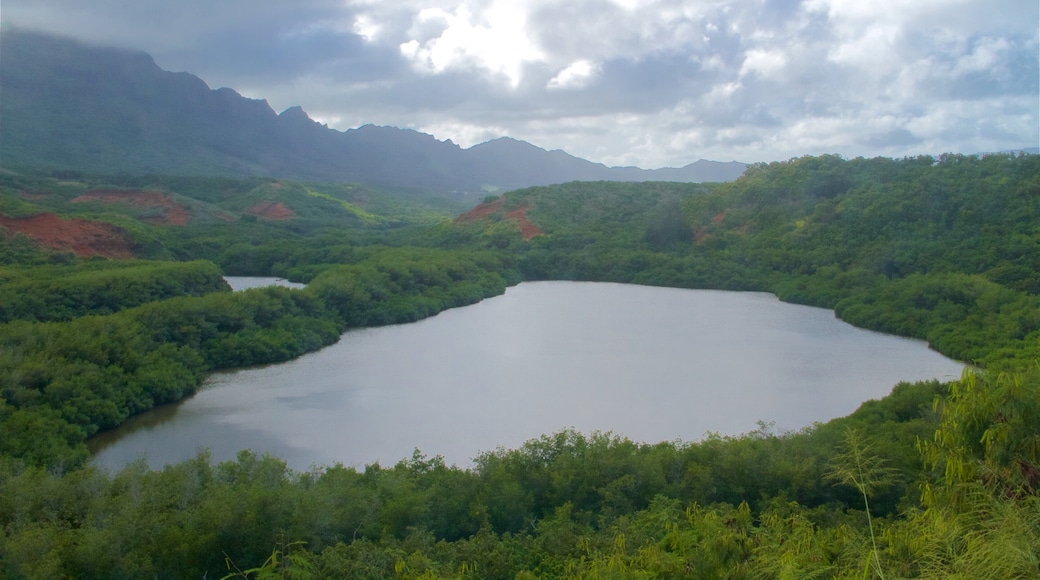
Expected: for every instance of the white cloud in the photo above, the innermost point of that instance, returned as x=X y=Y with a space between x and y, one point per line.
x=493 y=41
x=988 y=53
x=766 y=63
x=874 y=47
x=631 y=4
x=367 y=28
x=578 y=74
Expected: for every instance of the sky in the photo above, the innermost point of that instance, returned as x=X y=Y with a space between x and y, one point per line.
x=650 y=83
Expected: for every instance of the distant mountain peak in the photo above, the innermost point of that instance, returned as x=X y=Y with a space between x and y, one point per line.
x=295 y=112
x=121 y=113
x=506 y=143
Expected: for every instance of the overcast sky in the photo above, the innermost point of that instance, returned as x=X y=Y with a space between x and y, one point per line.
x=623 y=82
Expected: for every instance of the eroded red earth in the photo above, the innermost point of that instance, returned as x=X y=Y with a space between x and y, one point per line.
x=271 y=210
x=481 y=211
x=83 y=237
x=527 y=229
x=173 y=213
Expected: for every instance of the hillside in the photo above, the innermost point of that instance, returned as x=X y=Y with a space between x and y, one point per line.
x=946 y=249
x=934 y=481
x=245 y=226
x=952 y=244
x=70 y=106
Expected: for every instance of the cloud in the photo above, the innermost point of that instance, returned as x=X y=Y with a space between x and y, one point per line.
x=367 y=28
x=763 y=62
x=493 y=41
x=575 y=76
x=646 y=82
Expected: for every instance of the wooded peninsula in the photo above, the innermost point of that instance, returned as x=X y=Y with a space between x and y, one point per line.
x=113 y=302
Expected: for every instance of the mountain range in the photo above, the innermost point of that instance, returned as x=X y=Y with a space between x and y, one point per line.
x=65 y=105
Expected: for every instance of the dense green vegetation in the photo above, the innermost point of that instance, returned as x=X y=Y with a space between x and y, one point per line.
x=934 y=481
x=64 y=381
x=46 y=293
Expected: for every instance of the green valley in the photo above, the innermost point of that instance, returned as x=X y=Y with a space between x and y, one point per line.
x=126 y=310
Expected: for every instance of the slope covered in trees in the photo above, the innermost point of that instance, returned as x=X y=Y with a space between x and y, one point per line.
x=936 y=480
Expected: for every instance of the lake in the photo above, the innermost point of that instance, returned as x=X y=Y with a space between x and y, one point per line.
x=246 y=282
x=652 y=364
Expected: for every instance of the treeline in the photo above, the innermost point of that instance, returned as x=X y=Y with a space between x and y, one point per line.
x=64 y=381
x=568 y=505
x=58 y=293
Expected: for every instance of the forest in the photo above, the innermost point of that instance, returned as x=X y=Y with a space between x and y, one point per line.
x=936 y=480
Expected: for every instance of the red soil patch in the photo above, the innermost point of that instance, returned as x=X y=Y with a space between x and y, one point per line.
x=519 y=215
x=481 y=211
x=527 y=229
x=83 y=237
x=174 y=214
x=717 y=218
x=271 y=210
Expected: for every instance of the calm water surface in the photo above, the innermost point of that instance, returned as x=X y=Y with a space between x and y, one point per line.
x=246 y=282
x=652 y=364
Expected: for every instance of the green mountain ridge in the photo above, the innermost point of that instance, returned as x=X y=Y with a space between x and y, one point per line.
x=71 y=106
